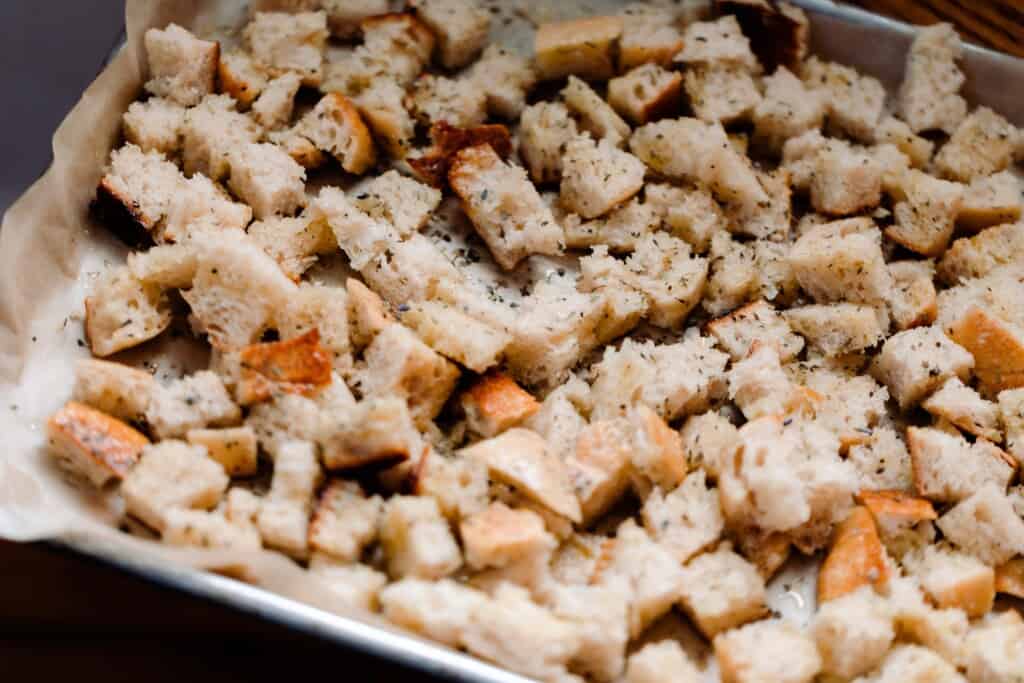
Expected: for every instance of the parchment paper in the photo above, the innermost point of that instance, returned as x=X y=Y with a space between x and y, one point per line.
x=50 y=253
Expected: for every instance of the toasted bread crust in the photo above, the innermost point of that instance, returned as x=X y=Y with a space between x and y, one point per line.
x=496 y=403
x=97 y=445
x=432 y=168
x=1010 y=578
x=998 y=350
x=121 y=216
x=296 y=366
x=779 y=36
x=856 y=558
x=897 y=504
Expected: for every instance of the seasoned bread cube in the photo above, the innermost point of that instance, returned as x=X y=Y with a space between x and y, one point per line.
x=982 y=144
x=344 y=521
x=357 y=585
x=545 y=129
x=236 y=292
x=231 y=525
x=721 y=591
x=645 y=93
x=213 y=130
x=769 y=650
x=376 y=432
x=334 y=126
x=288 y=417
x=896 y=132
x=440 y=610
x=720 y=41
x=459 y=485
x=690 y=214
x=853 y=633
x=855 y=559
x=456 y=101
x=381 y=105
x=113 y=388
x=842 y=261
x=719 y=92
x=325 y=309
x=182 y=68
x=854 y=101
x=413 y=270
x=240 y=76
x=505 y=79
x=402 y=201
x=294 y=366
x=912 y=364
x=496 y=403
x=979 y=255
x=759 y=386
x=953 y=579
x=92 y=444
x=367 y=311
x=123 y=312
x=416 y=539
x=926 y=217
x=403 y=41
x=432 y=167
x=201 y=206
x=845 y=181
x=504 y=206
x=361 y=236
x=234 y=448
x=192 y=402
x=596 y=177
x=913 y=301
x=991 y=200
x=599 y=465
x=596 y=116
x=661 y=662
x=708 y=440
x=847 y=404
x=757 y=322
x=835 y=329
x=399 y=364
x=779 y=32
x=621 y=230
x=686 y=520
x=273 y=108
x=344 y=16
x=734 y=278
x=456 y=335
x=994 y=650
x=1011 y=414
x=298 y=147
x=580 y=47
x=294 y=243
x=283 y=519
x=902 y=520
x=928 y=98
x=284 y=42
x=787 y=110
x=172 y=474
x=461 y=27
x=882 y=461
x=961 y=405
x=650 y=35
x=913 y=664
x=135 y=194
x=154 y=125
x=986 y=526
x=997 y=347
x=499 y=536
x=948 y=469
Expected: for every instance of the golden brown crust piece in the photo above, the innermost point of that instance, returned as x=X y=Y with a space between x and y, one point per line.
x=779 y=32
x=855 y=559
x=1010 y=578
x=897 y=504
x=997 y=349
x=448 y=140
x=299 y=365
x=93 y=443
x=582 y=47
x=496 y=403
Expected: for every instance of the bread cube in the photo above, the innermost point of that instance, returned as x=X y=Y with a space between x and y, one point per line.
x=458 y=102
x=848 y=405
x=123 y=312
x=287 y=418
x=720 y=41
x=853 y=633
x=356 y=585
x=461 y=27
x=135 y=194
x=652 y=662
x=645 y=93
x=914 y=663
x=334 y=126
x=854 y=101
x=708 y=439
x=294 y=243
x=283 y=519
x=721 y=590
x=953 y=579
x=298 y=147
x=1010 y=578
x=916 y=362
x=299 y=365
x=232 y=525
x=344 y=521
x=893 y=131
x=92 y=444
x=402 y=201
x=273 y=108
x=581 y=47
x=377 y=432
x=981 y=145
x=600 y=614
x=284 y=42
x=902 y=520
x=977 y=256
x=496 y=403
x=596 y=176
x=441 y=610
x=416 y=539
x=842 y=261
x=757 y=322
x=787 y=110
x=882 y=461
x=382 y=108
x=769 y=650
x=691 y=215
x=926 y=218
x=779 y=33
x=240 y=76
x=212 y=132
x=985 y=526
x=1011 y=414
x=837 y=329
x=182 y=68
x=504 y=206
x=649 y=36
x=192 y=402
x=267 y=179
x=599 y=466
x=759 y=386
x=719 y=93
x=928 y=98
x=686 y=520
x=994 y=650
x=621 y=230
x=596 y=116
x=545 y=130
x=155 y=125
x=459 y=485
x=172 y=474
x=324 y=309
x=344 y=16
x=845 y=181
x=962 y=406
x=201 y=206
x=949 y=469
x=456 y=335
x=913 y=302
x=997 y=347
x=505 y=79
x=234 y=448
x=990 y=201
x=499 y=536
x=413 y=270
x=855 y=559
x=236 y=292
x=113 y=388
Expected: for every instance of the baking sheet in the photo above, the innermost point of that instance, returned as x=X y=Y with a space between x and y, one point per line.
x=50 y=255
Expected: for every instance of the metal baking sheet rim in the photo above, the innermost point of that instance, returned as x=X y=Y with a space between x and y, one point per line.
x=437 y=660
